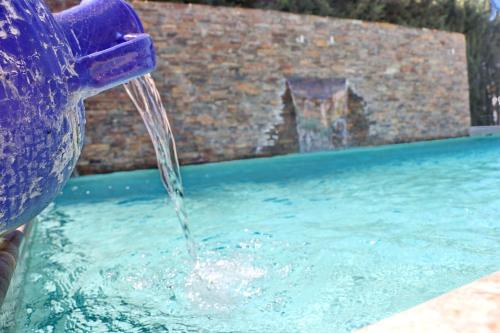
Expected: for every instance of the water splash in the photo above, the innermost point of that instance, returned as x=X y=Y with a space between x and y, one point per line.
x=221 y=284
x=146 y=98
x=214 y=284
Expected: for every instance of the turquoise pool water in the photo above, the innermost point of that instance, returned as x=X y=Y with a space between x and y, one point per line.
x=326 y=242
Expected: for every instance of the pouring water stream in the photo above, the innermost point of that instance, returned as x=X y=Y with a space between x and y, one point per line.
x=146 y=98
x=215 y=284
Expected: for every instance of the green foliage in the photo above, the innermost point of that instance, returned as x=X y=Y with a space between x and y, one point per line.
x=469 y=17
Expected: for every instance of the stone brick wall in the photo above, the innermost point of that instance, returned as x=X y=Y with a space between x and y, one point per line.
x=224 y=75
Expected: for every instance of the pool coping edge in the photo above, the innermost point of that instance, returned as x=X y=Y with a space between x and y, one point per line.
x=472 y=308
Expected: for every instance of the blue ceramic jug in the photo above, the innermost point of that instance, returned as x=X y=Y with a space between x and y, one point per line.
x=48 y=65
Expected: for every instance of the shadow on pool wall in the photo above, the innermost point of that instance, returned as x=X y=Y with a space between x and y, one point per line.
x=224 y=72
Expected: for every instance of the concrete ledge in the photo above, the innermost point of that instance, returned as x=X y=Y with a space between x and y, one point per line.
x=474 y=308
x=484 y=130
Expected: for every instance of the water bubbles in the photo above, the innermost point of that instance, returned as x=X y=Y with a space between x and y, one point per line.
x=285 y=270
x=74 y=188
x=57 y=307
x=50 y=287
x=139 y=285
x=34 y=277
x=251 y=244
x=139 y=282
x=111 y=275
x=87 y=192
x=48 y=329
x=222 y=284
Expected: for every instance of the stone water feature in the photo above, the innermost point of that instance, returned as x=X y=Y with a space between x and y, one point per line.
x=328 y=114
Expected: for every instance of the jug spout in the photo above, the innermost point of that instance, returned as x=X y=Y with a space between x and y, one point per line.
x=109 y=44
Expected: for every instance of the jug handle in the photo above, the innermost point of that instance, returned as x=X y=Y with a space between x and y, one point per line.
x=103 y=70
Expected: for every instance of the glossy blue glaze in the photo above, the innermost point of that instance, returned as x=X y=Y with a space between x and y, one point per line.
x=48 y=65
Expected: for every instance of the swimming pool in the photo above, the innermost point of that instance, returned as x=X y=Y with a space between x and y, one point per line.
x=324 y=242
